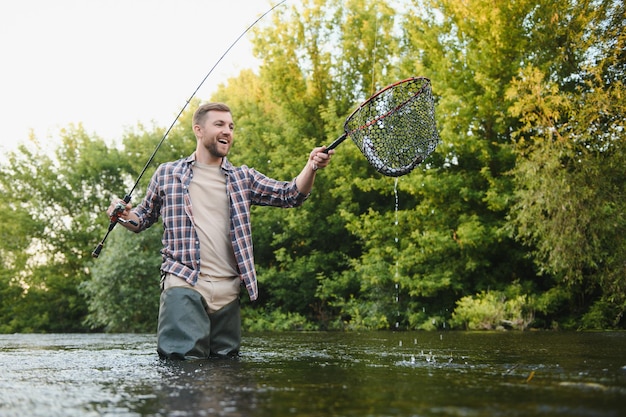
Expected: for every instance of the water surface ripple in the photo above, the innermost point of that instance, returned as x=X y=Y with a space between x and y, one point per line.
x=320 y=374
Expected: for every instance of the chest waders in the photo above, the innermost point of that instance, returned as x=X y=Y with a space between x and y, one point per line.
x=187 y=331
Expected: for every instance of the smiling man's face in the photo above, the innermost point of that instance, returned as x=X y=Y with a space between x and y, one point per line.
x=215 y=134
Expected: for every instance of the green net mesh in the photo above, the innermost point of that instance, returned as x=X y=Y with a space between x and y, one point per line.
x=395 y=129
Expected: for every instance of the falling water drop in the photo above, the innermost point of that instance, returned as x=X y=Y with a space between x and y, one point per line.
x=397 y=273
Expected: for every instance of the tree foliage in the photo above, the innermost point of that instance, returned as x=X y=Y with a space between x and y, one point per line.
x=570 y=175
x=516 y=219
x=124 y=288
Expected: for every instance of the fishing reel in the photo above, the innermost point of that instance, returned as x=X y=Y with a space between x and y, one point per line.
x=115 y=219
x=117 y=212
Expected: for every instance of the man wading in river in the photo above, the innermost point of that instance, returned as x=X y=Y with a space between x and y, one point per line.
x=204 y=202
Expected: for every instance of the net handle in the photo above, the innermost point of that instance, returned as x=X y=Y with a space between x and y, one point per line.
x=336 y=143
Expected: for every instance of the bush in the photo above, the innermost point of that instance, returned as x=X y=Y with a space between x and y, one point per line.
x=263 y=319
x=491 y=310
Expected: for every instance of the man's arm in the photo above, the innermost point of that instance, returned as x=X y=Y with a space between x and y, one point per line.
x=317 y=159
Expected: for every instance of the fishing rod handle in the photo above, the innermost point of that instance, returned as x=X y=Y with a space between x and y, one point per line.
x=119 y=207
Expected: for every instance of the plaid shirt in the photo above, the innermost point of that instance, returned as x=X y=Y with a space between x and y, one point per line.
x=167 y=196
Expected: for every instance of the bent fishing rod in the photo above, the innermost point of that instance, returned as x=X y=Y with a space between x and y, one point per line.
x=115 y=218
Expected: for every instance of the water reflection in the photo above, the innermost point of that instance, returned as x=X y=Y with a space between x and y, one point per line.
x=208 y=387
x=319 y=374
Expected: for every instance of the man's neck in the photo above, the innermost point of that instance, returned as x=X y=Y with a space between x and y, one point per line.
x=207 y=159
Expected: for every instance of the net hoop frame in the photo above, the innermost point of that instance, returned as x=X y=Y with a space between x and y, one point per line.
x=420 y=154
x=378 y=93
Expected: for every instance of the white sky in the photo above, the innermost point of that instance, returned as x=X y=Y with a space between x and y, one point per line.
x=110 y=64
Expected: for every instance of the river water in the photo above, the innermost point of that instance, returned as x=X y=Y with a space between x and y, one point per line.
x=320 y=374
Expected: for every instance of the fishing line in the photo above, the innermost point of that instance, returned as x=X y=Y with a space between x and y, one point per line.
x=196 y=90
x=374 y=50
x=119 y=208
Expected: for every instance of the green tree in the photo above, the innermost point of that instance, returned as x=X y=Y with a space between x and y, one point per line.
x=451 y=219
x=123 y=291
x=299 y=100
x=54 y=200
x=571 y=170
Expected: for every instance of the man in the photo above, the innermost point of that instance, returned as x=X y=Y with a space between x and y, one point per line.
x=204 y=202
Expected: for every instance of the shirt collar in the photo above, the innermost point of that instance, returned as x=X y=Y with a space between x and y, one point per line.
x=226 y=165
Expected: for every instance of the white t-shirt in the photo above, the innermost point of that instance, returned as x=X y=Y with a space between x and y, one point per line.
x=211 y=215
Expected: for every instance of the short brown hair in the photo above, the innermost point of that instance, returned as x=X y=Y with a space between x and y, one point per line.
x=202 y=111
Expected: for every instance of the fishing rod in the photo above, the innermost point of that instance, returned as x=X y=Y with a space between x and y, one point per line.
x=119 y=207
